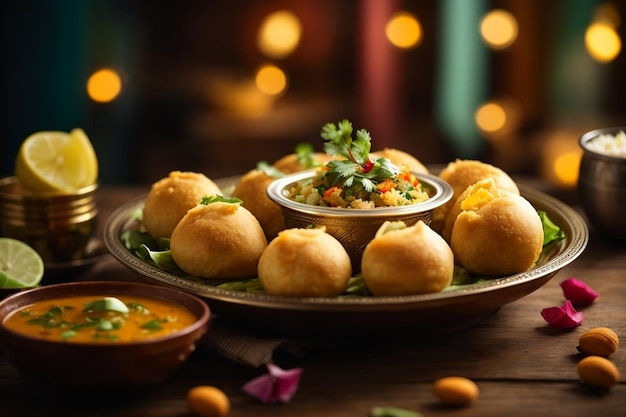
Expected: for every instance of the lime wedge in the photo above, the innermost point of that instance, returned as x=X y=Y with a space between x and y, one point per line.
x=20 y=265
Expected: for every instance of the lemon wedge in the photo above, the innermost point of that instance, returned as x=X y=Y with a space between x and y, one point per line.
x=20 y=265
x=57 y=161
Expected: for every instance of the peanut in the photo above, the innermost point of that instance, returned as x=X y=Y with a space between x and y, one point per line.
x=600 y=341
x=598 y=371
x=456 y=390
x=207 y=401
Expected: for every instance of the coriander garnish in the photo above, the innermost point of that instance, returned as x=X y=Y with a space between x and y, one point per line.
x=357 y=171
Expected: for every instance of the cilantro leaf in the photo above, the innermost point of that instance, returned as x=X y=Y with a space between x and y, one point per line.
x=206 y=200
x=305 y=154
x=269 y=170
x=360 y=148
x=357 y=171
x=338 y=138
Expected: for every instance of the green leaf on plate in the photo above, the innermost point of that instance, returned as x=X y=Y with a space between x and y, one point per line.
x=551 y=232
x=161 y=258
x=132 y=240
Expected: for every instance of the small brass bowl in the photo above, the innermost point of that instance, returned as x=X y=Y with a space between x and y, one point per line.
x=57 y=225
x=602 y=186
x=355 y=228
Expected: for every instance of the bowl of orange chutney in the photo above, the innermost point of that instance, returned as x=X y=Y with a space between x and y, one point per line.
x=101 y=335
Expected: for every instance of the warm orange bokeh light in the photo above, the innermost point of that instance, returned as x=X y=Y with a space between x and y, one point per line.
x=271 y=80
x=404 y=30
x=104 y=85
x=490 y=117
x=279 y=34
x=499 y=29
x=560 y=157
x=566 y=168
x=602 y=42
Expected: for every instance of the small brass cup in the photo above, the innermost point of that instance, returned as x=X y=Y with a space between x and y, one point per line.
x=57 y=225
x=354 y=228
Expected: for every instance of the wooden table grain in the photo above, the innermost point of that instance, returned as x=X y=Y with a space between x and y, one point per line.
x=522 y=366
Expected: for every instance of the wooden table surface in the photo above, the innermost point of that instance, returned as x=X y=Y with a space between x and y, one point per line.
x=522 y=366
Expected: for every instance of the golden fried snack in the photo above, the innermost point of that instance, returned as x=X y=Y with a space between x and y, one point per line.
x=218 y=240
x=485 y=188
x=496 y=234
x=305 y=263
x=171 y=197
x=252 y=190
x=462 y=173
x=289 y=164
x=401 y=159
x=407 y=260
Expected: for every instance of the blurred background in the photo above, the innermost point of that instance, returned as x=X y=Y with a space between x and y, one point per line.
x=216 y=86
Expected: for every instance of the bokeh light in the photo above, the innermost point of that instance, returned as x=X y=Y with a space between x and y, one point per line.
x=499 y=29
x=566 y=166
x=560 y=156
x=279 y=34
x=104 y=85
x=602 y=42
x=404 y=30
x=271 y=80
x=490 y=117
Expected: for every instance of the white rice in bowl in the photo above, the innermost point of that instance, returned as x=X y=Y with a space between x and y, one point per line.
x=608 y=144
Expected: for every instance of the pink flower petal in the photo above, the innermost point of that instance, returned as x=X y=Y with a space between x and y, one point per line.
x=279 y=385
x=287 y=381
x=261 y=388
x=564 y=317
x=579 y=293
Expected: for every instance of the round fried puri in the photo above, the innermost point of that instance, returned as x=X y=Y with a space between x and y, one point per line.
x=218 y=240
x=171 y=197
x=407 y=260
x=402 y=159
x=305 y=263
x=496 y=235
x=252 y=190
x=462 y=173
x=289 y=164
x=481 y=191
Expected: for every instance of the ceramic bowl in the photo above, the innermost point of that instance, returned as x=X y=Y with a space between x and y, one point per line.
x=355 y=228
x=101 y=366
x=602 y=186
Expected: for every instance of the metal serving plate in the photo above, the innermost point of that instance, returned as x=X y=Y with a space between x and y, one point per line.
x=429 y=314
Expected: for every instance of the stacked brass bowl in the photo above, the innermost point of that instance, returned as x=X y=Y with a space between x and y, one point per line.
x=57 y=225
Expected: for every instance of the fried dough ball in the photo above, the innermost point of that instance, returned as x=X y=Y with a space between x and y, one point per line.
x=462 y=173
x=289 y=164
x=251 y=189
x=404 y=260
x=496 y=234
x=218 y=240
x=485 y=188
x=401 y=159
x=171 y=197
x=305 y=263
